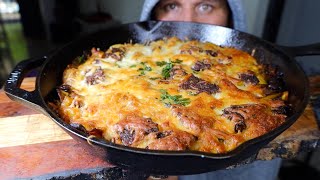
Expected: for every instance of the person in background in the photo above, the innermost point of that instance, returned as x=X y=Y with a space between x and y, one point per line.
x=219 y=12
x=228 y=13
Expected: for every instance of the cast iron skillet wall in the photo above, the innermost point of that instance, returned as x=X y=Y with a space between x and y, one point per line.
x=147 y=161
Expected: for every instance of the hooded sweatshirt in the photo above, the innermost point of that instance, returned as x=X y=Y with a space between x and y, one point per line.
x=237 y=11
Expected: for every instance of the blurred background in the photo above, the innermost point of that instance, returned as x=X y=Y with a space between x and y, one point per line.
x=32 y=28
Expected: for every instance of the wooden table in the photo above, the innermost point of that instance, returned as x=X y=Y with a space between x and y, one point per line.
x=31 y=145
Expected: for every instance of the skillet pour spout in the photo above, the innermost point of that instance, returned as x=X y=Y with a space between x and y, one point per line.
x=162 y=162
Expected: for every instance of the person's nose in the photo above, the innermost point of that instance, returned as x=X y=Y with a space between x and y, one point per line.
x=187 y=16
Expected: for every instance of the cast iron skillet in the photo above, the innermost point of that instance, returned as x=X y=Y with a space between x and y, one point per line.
x=162 y=162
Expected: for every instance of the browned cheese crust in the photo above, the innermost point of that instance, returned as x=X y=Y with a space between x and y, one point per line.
x=173 y=94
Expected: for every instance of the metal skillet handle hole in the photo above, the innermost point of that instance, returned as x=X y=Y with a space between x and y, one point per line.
x=29 y=83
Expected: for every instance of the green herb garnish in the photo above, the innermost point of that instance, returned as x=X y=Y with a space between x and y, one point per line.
x=144 y=68
x=82 y=59
x=167 y=68
x=154 y=78
x=79 y=60
x=178 y=61
x=168 y=99
x=161 y=63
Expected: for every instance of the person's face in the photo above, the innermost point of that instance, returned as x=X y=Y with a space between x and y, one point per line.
x=202 y=11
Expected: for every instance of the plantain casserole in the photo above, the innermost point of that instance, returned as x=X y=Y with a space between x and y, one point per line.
x=173 y=94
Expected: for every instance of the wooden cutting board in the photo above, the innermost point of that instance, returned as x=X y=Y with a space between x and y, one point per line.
x=22 y=126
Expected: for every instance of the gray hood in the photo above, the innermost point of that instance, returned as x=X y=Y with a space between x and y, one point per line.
x=236 y=7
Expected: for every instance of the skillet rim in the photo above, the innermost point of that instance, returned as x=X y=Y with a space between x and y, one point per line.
x=238 y=150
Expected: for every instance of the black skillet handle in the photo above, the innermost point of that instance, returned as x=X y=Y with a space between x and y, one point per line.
x=307 y=50
x=13 y=83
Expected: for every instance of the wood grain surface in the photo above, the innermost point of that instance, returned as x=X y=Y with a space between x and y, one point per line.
x=29 y=129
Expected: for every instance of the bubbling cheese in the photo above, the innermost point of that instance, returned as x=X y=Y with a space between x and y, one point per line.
x=172 y=94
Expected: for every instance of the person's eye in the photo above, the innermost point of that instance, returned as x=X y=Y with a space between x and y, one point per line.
x=205 y=8
x=170 y=7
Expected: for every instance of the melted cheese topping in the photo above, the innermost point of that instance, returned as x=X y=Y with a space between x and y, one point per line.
x=170 y=95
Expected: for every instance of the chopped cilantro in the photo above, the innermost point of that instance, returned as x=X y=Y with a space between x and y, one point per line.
x=178 y=61
x=79 y=60
x=154 y=78
x=168 y=99
x=167 y=68
x=144 y=68
x=147 y=68
x=161 y=63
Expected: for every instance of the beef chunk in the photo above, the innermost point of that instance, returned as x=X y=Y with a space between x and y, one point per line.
x=97 y=76
x=257 y=115
x=274 y=78
x=285 y=110
x=190 y=120
x=211 y=53
x=163 y=134
x=232 y=114
x=201 y=65
x=134 y=128
x=127 y=136
x=65 y=88
x=115 y=53
x=174 y=140
x=249 y=78
x=274 y=85
x=191 y=50
x=198 y=85
x=240 y=126
x=177 y=70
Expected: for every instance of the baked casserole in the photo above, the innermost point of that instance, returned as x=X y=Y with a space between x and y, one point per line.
x=173 y=94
